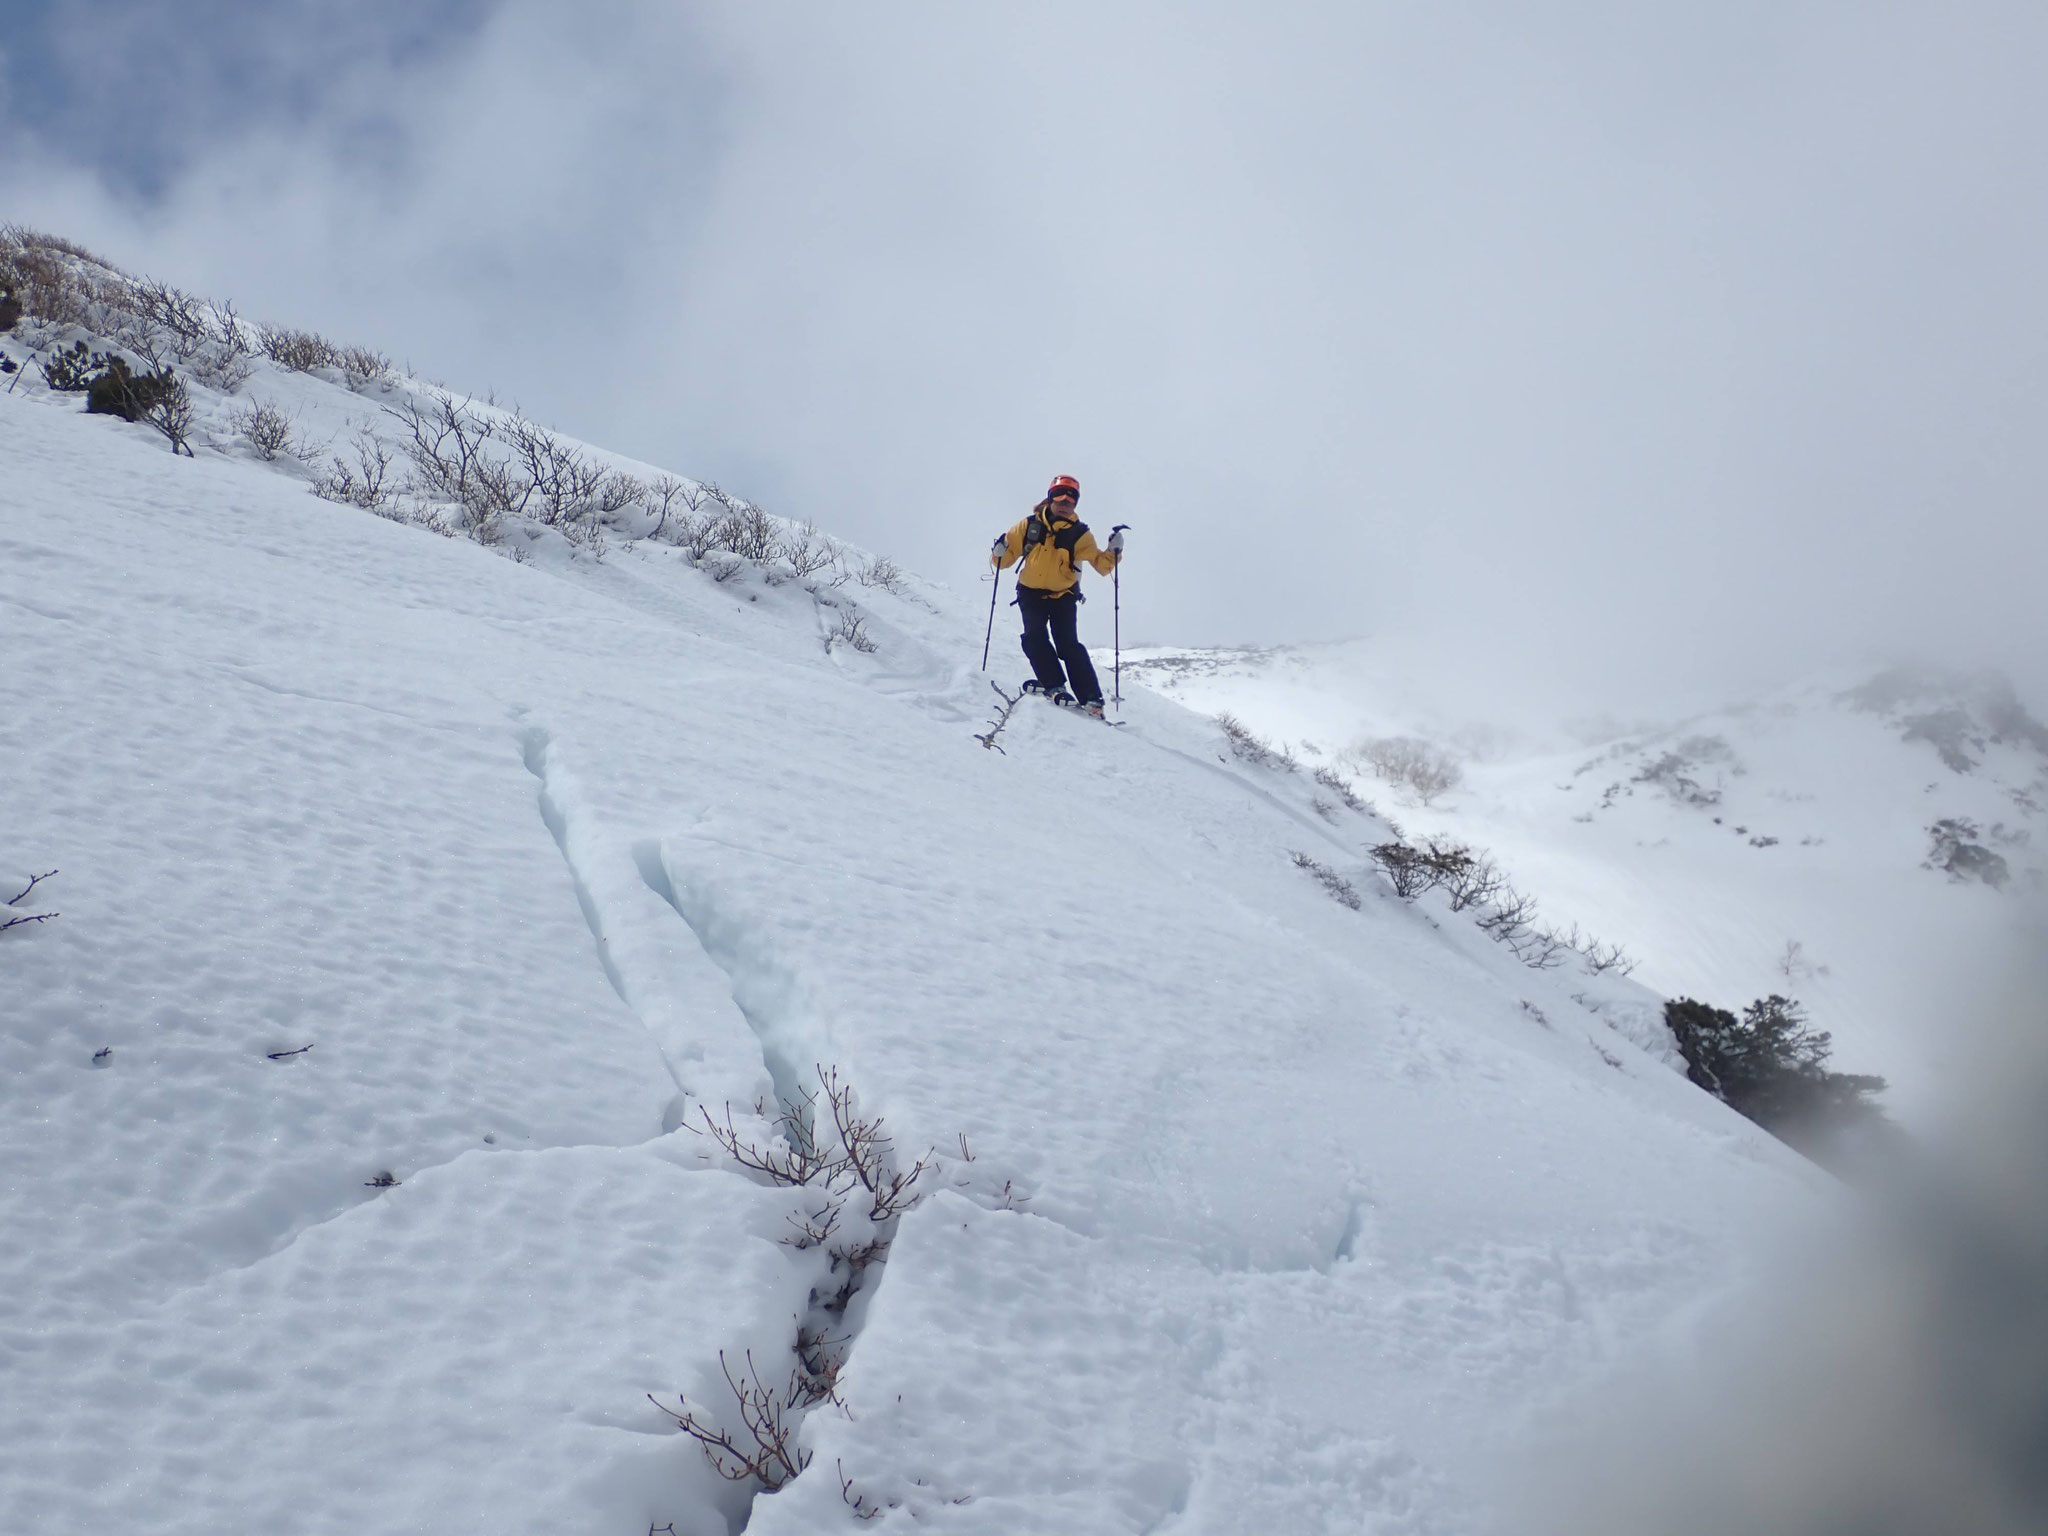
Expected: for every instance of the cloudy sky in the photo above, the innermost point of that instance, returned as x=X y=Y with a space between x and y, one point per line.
x=1626 y=351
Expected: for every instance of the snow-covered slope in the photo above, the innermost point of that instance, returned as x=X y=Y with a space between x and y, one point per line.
x=413 y=899
x=1850 y=842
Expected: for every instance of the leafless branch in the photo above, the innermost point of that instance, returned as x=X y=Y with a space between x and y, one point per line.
x=795 y=1157
x=360 y=484
x=881 y=572
x=660 y=497
x=816 y=1227
x=863 y=1507
x=807 y=550
x=768 y=1421
x=869 y=1152
x=853 y=629
x=995 y=726
x=266 y=426
x=33 y=882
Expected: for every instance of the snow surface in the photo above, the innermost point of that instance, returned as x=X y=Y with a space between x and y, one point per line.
x=1247 y=1210
x=1802 y=820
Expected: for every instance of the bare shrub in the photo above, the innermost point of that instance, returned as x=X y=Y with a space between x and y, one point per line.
x=1339 y=888
x=446 y=445
x=300 y=351
x=1413 y=870
x=566 y=484
x=1340 y=786
x=1247 y=746
x=267 y=428
x=1539 y=948
x=360 y=484
x=762 y=1450
x=660 y=498
x=698 y=534
x=1475 y=881
x=1601 y=958
x=795 y=1156
x=172 y=414
x=1426 y=770
x=748 y=532
x=807 y=550
x=361 y=365
x=618 y=491
x=175 y=311
x=853 y=630
x=883 y=573
x=1510 y=913
x=37 y=240
x=34 y=269
x=869 y=1152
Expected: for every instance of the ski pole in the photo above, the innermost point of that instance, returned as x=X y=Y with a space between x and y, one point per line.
x=1116 y=631
x=995 y=587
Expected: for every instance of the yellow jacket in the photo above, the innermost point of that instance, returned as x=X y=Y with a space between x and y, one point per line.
x=1052 y=566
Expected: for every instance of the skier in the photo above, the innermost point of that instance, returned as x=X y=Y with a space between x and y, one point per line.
x=1052 y=543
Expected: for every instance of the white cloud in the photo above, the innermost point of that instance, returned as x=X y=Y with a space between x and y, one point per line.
x=1646 y=350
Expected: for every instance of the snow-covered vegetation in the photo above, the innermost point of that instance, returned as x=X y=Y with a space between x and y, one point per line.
x=592 y=1042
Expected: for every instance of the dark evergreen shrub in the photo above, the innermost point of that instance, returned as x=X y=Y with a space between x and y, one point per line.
x=1771 y=1066
x=117 y=391
x=71 y=368
x=10 y=312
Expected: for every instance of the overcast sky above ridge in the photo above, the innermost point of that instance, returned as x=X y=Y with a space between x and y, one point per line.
x=1655 y=353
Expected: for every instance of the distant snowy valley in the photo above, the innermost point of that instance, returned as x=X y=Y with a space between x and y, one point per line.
x=1855 y=842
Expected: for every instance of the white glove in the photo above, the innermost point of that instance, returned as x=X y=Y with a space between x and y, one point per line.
x=1116 y=542
x=1001 y=545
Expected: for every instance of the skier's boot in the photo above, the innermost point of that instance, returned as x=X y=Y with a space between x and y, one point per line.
x=1093 y=707
x=1033 y=685
x=1061 y=697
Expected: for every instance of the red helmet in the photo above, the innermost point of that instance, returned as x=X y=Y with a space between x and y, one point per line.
x=1063 y=483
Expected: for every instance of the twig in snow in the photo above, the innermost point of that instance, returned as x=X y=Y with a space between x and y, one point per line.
x=765 y=1416
x=816 y=1228
x=862 y=1506
x=285 y=1055
x=794 y=1158
x=868 y=1149
x=995 y=726
x=33 y=882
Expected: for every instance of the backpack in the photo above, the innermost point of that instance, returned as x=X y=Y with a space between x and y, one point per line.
x=1066 y=538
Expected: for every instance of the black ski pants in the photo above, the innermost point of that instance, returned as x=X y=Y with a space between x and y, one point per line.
x=1050 y=640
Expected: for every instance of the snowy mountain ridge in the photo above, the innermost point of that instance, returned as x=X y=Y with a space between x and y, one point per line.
x=427 y=915
x=1842 y=840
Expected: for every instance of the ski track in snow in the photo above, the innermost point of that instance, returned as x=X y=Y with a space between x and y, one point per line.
x=1249 y=1211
